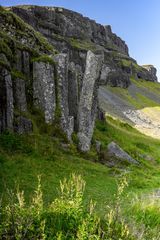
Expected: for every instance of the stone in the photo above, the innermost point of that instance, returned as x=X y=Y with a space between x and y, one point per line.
x=152 y=72
x=73 y=92
x=104 y=74
x=114 y=150
x=44 y=89
x=26 y=64
x=98 y=146
x=66 y=121
x=20 y=94
x=23 y=125
x=118 y=79
x=69 y=24
x=88 y=101
x=100 y=114
x=6 y=100
x=70 y=85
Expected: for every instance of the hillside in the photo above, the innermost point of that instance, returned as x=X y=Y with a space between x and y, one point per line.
x=138 y=105
x=68 y=89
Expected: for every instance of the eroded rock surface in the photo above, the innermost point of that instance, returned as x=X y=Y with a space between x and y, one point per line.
x=6 y=100
x=44 y=89
x=88 y=101
x=55 y=60
x=66 y=121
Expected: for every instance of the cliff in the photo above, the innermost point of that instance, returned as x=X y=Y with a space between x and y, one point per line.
x=52 y=62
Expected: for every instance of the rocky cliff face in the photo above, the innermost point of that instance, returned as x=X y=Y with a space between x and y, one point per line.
x=53 y=60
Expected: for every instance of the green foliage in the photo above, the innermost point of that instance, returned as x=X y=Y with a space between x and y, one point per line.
x=82 y=44
x=65 y=218
x=146 y=85
x=116 y=226
x=146 y=209
x=24 y=157
x=5 y=65
x=4 y=48
x=44 y=58
x=20 y=221
x=17 y=74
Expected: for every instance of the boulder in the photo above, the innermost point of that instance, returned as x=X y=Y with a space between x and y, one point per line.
x=114 y=150
x=152 y=71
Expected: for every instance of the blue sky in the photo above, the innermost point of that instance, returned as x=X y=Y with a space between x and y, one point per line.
x=135 y=21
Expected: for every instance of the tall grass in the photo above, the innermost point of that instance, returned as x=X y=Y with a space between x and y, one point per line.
x=65 y=217
x=147 y=214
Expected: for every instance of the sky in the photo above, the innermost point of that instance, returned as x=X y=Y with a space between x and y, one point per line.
x=135 y=21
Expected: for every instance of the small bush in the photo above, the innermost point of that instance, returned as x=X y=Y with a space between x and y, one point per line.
x=65 y=218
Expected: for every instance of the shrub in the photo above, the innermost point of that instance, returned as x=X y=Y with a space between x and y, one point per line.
x=65 y=218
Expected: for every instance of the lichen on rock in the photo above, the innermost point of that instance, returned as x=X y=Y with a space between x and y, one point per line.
x=88 y=101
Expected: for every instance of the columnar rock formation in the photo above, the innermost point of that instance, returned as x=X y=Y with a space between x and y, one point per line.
x=44 y=89
x=6 y=100
x=88 y=101
x=54 y=60
x=66 y=121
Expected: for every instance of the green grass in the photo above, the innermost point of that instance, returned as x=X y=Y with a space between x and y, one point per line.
x=82 y=44
x=4 y=48
x=17 y=74
x=23 y=158
x=44 y=58
x=128 y=138
x=151 y=86
x=139 y=100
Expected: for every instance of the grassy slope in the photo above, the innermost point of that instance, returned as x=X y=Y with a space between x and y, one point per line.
x=23 y=158
x=141 y=98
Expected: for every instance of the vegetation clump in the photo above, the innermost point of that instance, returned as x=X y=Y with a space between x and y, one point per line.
x=44 y=58
x=65 y=217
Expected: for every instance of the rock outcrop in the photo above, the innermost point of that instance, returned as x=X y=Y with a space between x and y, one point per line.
x=88 y=101
x=52 y=21
x=53 y=60
x=44 y=89
x=6 y=100
x=151 y=73
x=66 y=121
